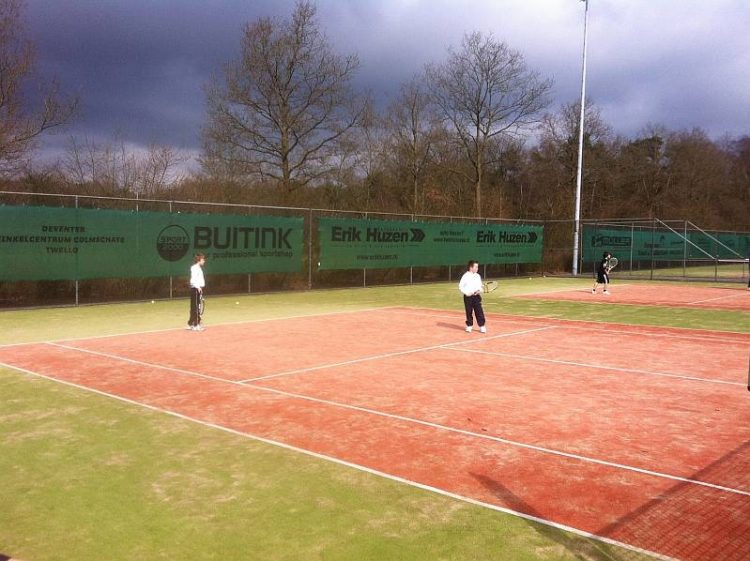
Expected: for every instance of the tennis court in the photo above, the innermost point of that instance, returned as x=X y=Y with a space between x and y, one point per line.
x=633 y=434
x=735 y=298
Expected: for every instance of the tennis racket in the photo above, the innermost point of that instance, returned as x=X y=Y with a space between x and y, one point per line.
x=612 y=263
x=201 y=305
x=489 y=286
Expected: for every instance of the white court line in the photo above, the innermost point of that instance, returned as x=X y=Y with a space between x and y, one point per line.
x=557 y=291
x=357 y=467
x=375 y=412
x=142 y=363
x=594 y=325
x=388 y=355
x=600 y=366
x=168 y=329
x=509 y=442
x=739 y=293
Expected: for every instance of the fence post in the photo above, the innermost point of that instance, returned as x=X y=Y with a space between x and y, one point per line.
x=171 y=291
x=249 y=275
x=632 y=243
x=484 y=271
x=76 y=199
x=653 y=239
x=411 y=267
x=684 y=251
x=364 y=270
x=310 y=250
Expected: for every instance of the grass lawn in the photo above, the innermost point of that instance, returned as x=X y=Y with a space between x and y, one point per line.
x=84 y=476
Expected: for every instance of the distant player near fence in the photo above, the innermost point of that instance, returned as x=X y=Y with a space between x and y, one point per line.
x=602 y=273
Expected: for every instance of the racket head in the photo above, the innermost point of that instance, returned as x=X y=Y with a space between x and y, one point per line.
x=201 y=305
x=612 y=263
x=489 y=286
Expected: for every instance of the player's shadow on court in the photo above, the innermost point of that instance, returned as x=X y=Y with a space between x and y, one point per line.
x=4 y=557
x=459 y=327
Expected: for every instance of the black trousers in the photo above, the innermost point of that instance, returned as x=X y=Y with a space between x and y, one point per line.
x=473 y=306
x=195 y=318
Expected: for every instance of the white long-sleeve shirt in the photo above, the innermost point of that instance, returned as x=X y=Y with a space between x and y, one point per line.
x=470 y=283
x=196 y=277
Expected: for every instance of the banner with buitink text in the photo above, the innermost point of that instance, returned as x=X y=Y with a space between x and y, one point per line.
x=377 y=244
x=44 y=243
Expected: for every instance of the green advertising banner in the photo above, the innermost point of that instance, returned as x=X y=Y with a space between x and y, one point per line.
x=42 y=243
x=641 y=244
x=378 y=244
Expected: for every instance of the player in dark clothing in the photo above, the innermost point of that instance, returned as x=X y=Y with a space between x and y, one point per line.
x=602 y=273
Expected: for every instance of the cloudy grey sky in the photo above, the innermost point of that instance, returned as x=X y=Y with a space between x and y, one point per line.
x=139 y=66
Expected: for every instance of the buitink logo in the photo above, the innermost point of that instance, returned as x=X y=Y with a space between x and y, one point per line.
x=173 y=243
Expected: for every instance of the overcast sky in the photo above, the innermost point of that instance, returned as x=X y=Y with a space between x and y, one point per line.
x=139 y=66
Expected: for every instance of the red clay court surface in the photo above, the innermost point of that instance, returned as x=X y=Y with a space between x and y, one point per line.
x=658 y=295
x=633 y=434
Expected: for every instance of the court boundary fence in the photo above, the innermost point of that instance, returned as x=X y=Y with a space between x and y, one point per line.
x=557 y=254
x=668 y=250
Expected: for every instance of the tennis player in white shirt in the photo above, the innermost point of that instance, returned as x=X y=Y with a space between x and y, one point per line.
x=197 y=284
x=471 y=287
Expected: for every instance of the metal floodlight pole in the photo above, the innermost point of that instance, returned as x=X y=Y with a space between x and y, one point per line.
x=579 y=170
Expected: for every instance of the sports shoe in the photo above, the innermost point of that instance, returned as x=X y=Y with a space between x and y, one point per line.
x=606 y=292
x=198 y=328
x=189 y=327
x=468 y=329
x=483 y=329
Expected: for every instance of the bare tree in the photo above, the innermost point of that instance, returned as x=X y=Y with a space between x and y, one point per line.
x=283 y=105
x=19 y=126
x=114 y=167
x=411 y=127
x=486 y=94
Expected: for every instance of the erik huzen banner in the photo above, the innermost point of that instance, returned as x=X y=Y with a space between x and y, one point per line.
x=373 y=244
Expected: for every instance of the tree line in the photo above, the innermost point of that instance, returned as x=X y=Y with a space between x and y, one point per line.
x=473 y=135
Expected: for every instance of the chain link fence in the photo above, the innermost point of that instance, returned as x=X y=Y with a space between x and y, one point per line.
x=691 y=253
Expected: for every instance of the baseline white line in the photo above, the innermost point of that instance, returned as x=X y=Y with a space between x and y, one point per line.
x=509 y=442
x=169 y=329
x=564 y=291
x=601 y=367
x=357 y=467
x=464 y=432
x=388 y=355
x=719 y=298
x=142 y=363
x=596 y=325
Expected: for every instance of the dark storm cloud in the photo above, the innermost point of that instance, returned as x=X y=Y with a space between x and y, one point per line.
x=140 y=66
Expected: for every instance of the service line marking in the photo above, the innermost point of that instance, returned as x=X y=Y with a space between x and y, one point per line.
x=600 y=366
x=395 y=353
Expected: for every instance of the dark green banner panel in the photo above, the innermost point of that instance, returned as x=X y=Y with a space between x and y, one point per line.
x=378 y=244
x=41 y=243
x=641 y=244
